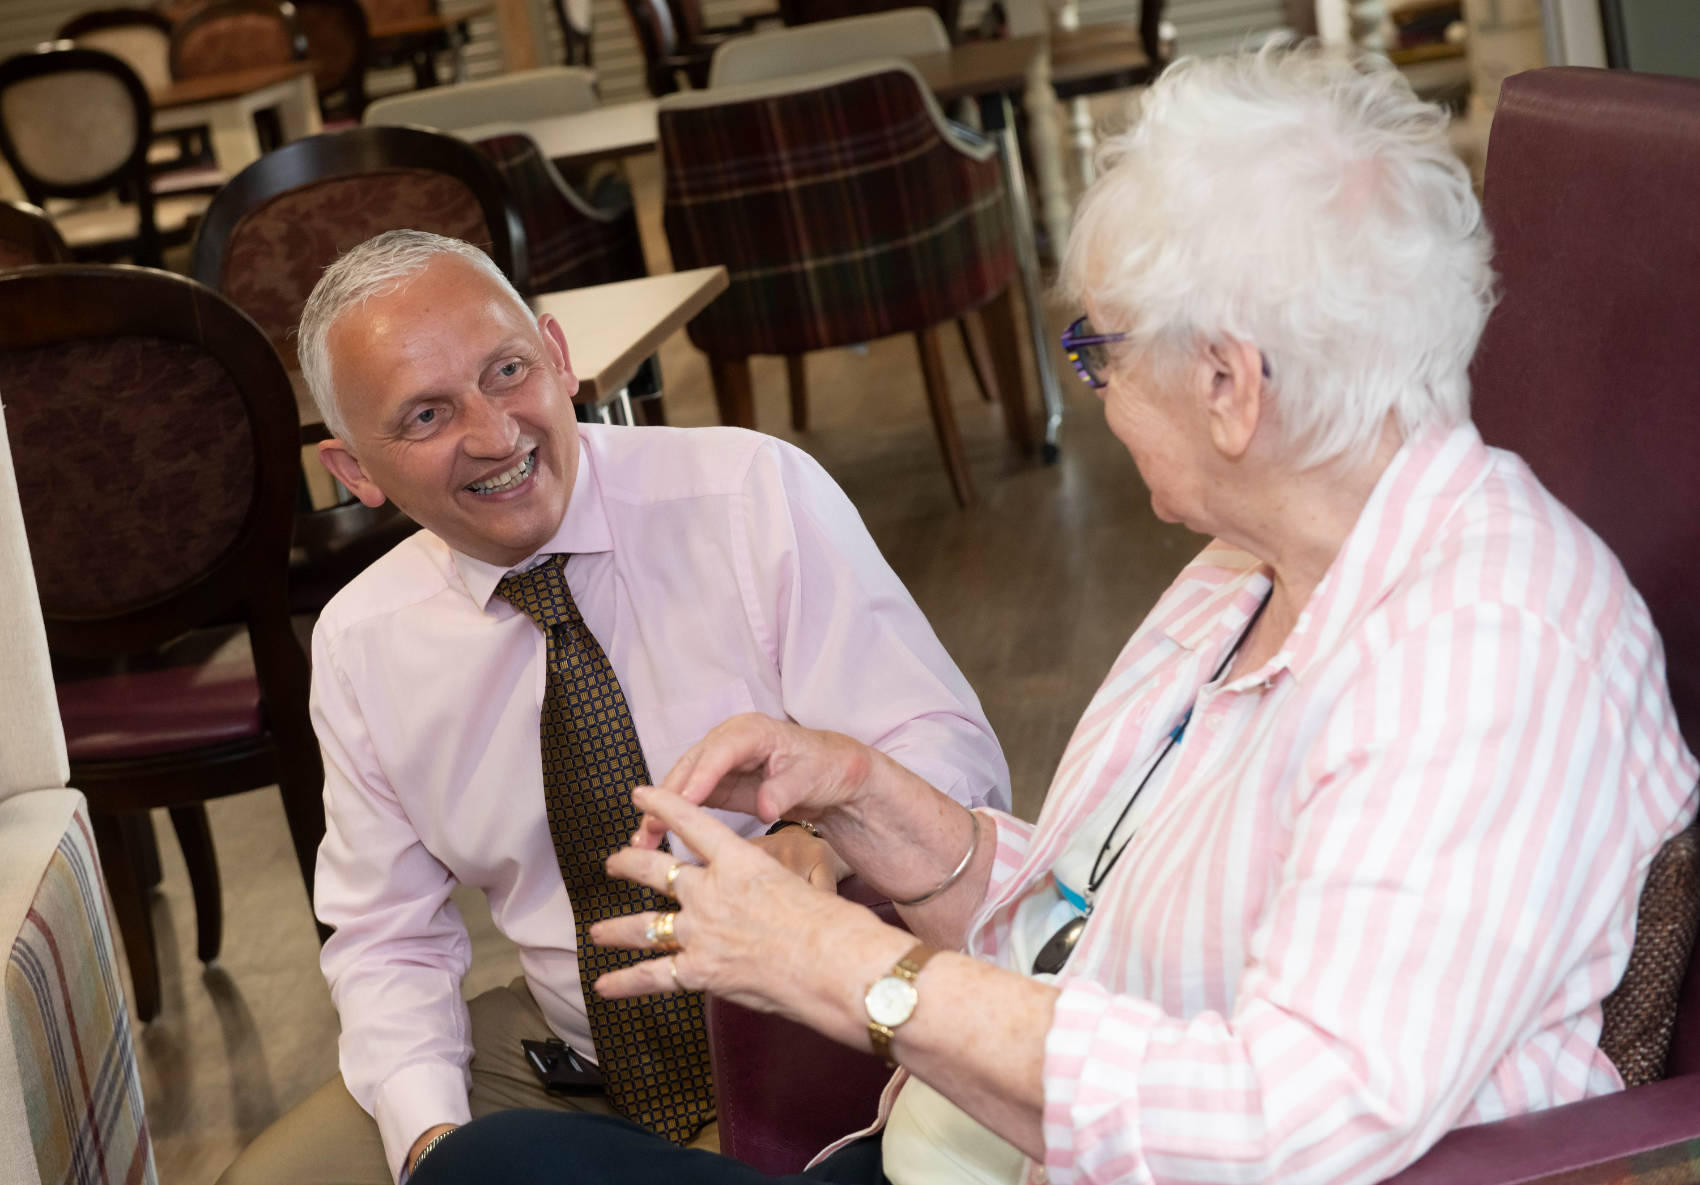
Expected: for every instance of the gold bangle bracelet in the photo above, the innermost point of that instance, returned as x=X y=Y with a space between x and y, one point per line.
x=955 y=873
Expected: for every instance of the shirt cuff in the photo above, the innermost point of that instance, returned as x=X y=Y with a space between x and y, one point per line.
x=414 y=1099
x=1094 y=1052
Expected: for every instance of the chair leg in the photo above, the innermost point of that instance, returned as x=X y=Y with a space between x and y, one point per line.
x=732 y=391
x=651 y=412
x=944 y=416
x=194 y=836
x=148 y=859
x=999 y=320
x=120 y=841
x=973 y=344
x=797 y=382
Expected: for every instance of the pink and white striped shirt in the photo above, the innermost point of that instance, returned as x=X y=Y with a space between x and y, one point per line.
x=1396 y=868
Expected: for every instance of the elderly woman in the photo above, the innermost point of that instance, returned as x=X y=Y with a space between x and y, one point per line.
x=1346 y=850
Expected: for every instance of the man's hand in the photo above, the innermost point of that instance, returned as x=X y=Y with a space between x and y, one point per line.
x=807 y=855
x=425 y=1138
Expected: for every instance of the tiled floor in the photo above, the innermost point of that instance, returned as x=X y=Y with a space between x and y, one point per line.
x=1033 y=591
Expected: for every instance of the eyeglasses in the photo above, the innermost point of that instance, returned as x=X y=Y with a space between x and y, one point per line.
x=1086 y=352
x=1091 y=361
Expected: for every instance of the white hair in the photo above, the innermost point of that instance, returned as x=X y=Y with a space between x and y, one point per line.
x=1308 y=203
x=377 y=267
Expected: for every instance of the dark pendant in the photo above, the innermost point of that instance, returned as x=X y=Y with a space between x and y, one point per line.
x=1054 y=953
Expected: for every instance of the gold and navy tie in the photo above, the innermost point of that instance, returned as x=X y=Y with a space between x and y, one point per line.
x=653 y=1050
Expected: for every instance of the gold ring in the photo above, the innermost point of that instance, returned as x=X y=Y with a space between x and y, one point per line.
x=659 y=932
x=672 y=876
x=673 y=966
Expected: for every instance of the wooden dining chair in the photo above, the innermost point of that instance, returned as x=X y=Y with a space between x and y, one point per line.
x=172 y=509
x=270 y=234
x=236 y=35
x=845 y=208
x=75 y=125
x=339 y=46
x=28 y=237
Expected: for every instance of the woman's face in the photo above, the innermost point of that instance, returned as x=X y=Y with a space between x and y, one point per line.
x=1149 y=408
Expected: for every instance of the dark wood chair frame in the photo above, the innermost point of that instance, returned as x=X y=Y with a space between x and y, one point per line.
x=112 y=18
x=29 y=227
x=65 y=303
x=130 y=176
x=351 y=85
x=577 y=45
x=283 y=10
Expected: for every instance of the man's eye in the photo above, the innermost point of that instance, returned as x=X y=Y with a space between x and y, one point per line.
x=508 y=370
x=427 y=415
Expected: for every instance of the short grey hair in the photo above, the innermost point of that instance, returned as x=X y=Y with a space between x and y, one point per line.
x=1307 y=202
x=377 y=267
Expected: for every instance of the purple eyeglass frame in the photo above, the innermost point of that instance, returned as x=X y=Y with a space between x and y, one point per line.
x=1075 y=343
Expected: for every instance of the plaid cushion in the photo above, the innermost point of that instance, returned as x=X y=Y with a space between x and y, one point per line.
x=569 y=242
x=841 y=213
x=69 y=1026
x=1674 y=1164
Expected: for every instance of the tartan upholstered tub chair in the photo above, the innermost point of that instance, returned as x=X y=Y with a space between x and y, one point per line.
x=845 y=209
x=70 y=1100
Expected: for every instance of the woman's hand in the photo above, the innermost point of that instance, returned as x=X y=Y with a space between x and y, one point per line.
x=747 y=928
x=768 y=768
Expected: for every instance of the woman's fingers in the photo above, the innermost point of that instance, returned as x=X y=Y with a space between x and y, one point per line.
x=645 y=979
x=701 y=831
x=632 y=931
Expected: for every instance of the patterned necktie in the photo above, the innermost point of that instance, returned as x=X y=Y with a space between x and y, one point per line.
x=653 y=1050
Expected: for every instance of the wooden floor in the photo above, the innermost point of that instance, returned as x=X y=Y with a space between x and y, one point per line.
x=1033 y=591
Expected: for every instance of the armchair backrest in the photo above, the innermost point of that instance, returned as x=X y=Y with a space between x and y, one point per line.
x=140 y=36
x=511 y=98
x=28 y=237
x=1587 y=367
x=840 y=202
x=779 y=53
x=236 y=35
x=271 y=232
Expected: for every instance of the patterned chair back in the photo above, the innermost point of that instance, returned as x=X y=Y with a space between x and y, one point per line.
x=1585 y=370
x=336 y=34
x=236 y=35
x=780 y=53
x=840 y=203
x=175 y=502
x=138 y=36
x=570 y=242
x=28 y=237
x=270 y=233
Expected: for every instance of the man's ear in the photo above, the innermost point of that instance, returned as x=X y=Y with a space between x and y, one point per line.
x=1233 y=403
x=555 y=341
x=346 y=468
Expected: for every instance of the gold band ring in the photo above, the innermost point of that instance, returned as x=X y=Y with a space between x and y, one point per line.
x=672 y=876
x=659 y=932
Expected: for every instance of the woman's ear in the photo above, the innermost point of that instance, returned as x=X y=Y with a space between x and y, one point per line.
x=1233 y=404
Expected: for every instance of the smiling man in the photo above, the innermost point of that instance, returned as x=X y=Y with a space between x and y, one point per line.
x=583 y=603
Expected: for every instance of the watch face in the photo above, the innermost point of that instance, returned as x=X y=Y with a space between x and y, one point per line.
x=890 y=1001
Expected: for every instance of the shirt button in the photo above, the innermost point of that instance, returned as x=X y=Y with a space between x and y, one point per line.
x=1041 y=1176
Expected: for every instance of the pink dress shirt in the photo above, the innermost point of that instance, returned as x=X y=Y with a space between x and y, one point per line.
x=723 y=572
x=1395 y=869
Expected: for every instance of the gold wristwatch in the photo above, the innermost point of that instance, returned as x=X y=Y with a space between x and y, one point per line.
x=891 y=999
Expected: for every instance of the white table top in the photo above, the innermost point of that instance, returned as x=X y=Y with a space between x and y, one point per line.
x=619 y=129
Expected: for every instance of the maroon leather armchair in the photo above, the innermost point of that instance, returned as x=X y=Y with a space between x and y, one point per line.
x=1588 y=369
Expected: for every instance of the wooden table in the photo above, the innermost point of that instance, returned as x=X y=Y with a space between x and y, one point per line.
x=610 y=328
x=987 y=71
x=225 y=104
x=420 y=36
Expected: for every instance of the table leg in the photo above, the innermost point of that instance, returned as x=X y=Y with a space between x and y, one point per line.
x=235 y=142
x=457 y=50
x=298 y=111
x=1043 y=116
x=998 y=118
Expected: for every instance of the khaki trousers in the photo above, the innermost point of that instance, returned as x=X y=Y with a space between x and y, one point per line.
x=328 y=1139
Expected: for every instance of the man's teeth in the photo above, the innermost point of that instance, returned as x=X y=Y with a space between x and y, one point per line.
x=508 y=480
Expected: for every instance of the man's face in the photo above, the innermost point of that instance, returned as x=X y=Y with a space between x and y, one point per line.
x=459 y=410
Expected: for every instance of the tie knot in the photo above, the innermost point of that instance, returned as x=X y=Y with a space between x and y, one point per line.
x=541 y=593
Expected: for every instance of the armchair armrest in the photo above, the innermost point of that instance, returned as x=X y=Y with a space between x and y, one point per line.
x=1595 y=1134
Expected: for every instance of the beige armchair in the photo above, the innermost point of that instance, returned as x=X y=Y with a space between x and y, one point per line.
x=70 y=1101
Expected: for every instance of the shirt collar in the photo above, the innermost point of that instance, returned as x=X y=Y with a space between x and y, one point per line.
x=583 y=528
x=1415 y=497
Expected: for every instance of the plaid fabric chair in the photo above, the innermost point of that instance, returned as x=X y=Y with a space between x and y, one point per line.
x=845 y=209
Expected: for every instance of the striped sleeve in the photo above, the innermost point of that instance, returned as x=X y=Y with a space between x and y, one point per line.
x=1431 y=915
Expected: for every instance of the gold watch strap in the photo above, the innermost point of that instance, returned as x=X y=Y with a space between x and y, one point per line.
x=907 y=968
